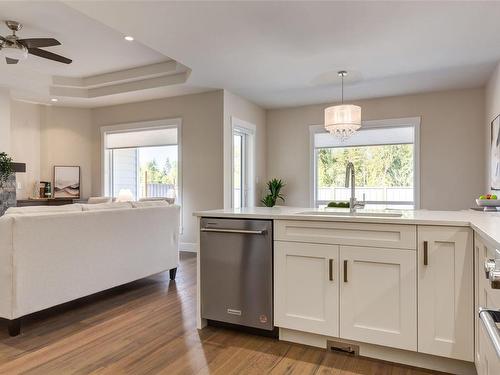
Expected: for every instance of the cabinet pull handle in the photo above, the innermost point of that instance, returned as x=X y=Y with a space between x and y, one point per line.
x=330 y=269
x=345 y=271
x=229 y=230
x=426 y=253
x=489 y=318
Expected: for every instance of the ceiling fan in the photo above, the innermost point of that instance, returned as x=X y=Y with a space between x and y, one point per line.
x=15 y=49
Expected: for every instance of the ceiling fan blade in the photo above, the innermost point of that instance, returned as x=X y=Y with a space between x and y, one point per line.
x=49 y=55
x=11 y=61
x=39 y=42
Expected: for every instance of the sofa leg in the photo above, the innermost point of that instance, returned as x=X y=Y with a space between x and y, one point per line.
x=173 y=272
x=14 y=327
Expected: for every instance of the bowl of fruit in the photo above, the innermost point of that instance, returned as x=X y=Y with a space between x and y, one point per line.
x=488 y=201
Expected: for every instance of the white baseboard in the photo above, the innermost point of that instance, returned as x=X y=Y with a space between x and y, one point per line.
x=405 y=357
x=189 y=247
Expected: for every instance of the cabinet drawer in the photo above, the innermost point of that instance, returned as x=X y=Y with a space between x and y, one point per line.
x=341 y=233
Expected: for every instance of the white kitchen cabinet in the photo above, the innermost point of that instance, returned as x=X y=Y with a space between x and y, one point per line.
x=306 y=292
x=393 y=236
x=378 y=296
x=445 y=292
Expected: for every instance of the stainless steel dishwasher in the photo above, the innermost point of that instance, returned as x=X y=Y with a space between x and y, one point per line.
x=236 y=268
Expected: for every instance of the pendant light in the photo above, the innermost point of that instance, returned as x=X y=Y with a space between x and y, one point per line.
x=343 y=120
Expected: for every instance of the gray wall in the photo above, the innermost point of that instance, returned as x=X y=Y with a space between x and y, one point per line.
x=452 y=144
x=202 y=147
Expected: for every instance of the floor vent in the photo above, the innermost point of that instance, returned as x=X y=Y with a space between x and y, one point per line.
x=342 y=347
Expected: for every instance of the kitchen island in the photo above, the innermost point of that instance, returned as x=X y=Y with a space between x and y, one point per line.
x=402 y=286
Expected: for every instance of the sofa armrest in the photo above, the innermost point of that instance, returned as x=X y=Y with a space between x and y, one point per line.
x=6 y=267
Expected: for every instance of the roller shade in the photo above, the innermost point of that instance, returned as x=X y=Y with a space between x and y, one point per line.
x=142 y=138
x=368 y=137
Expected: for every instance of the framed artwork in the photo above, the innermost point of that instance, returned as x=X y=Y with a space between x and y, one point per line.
x=495 y=154
x=66 y=181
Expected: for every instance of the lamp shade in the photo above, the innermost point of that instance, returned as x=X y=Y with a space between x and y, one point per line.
x=343 y=120
x=125 y=195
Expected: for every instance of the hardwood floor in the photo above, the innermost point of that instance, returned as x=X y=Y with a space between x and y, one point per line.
x=148 y=327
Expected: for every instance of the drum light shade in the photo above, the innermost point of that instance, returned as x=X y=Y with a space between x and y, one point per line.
x=343 y=120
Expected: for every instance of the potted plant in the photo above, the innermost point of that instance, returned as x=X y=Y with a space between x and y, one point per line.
x=274 y=186
x=5 y=167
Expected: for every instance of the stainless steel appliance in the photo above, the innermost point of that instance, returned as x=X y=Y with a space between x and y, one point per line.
x=490 y=316
x=236 y=271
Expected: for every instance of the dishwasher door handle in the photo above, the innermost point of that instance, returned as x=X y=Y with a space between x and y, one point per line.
x=490 y=317
x=239 y=231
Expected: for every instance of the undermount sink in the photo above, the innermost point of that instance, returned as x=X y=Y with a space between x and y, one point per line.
x=353 y=214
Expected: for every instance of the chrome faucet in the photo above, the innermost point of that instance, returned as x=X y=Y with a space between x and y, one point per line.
x=350 y=174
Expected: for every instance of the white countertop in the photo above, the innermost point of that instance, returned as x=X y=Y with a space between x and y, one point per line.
x=487 y=224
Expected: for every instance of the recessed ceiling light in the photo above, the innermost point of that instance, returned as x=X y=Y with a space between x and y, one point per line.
x=54 y=100
x=129 y=38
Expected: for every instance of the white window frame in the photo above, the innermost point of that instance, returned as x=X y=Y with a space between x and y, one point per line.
x=371 y=124
x=248 y=155
x=145 y=125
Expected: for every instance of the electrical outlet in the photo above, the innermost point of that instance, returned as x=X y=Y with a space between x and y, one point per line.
x=19 y=186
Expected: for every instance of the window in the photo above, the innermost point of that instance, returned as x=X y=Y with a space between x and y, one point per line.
x=142 y=159
x=385 y=155
x=242 y=164
x=239 y=194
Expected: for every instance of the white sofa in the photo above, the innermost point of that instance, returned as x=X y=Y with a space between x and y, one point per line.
x=63 y=253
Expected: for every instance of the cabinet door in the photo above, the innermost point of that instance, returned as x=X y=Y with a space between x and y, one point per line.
x=306 y=287
x=445 y=292
x=378 y=296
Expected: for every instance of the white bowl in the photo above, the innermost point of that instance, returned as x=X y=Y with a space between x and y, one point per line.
x=488 y=202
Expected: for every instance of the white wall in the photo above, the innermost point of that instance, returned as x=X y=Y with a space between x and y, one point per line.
x=4 y=120
x=242 y=109
x=452 y=143
x=25 y=144
x=66 y=139
x=202 y=147
x=492 y=110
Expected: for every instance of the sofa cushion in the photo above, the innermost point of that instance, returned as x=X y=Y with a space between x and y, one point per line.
x=155 y=203
x=155 y=199
x=97 y=200
x=106 y=206
x=43 y=209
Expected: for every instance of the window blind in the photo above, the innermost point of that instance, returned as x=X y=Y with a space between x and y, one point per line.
x=141 y=138
x=368 y=137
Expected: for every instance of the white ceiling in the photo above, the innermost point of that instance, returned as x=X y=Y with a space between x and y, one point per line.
x=279 y=53
x=94 y=48
x=274 y=53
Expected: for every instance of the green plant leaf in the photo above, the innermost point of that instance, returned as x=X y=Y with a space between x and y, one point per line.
x=274 y=186
x=5 y=167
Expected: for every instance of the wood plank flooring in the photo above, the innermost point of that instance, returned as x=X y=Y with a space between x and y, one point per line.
x=148 y=327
